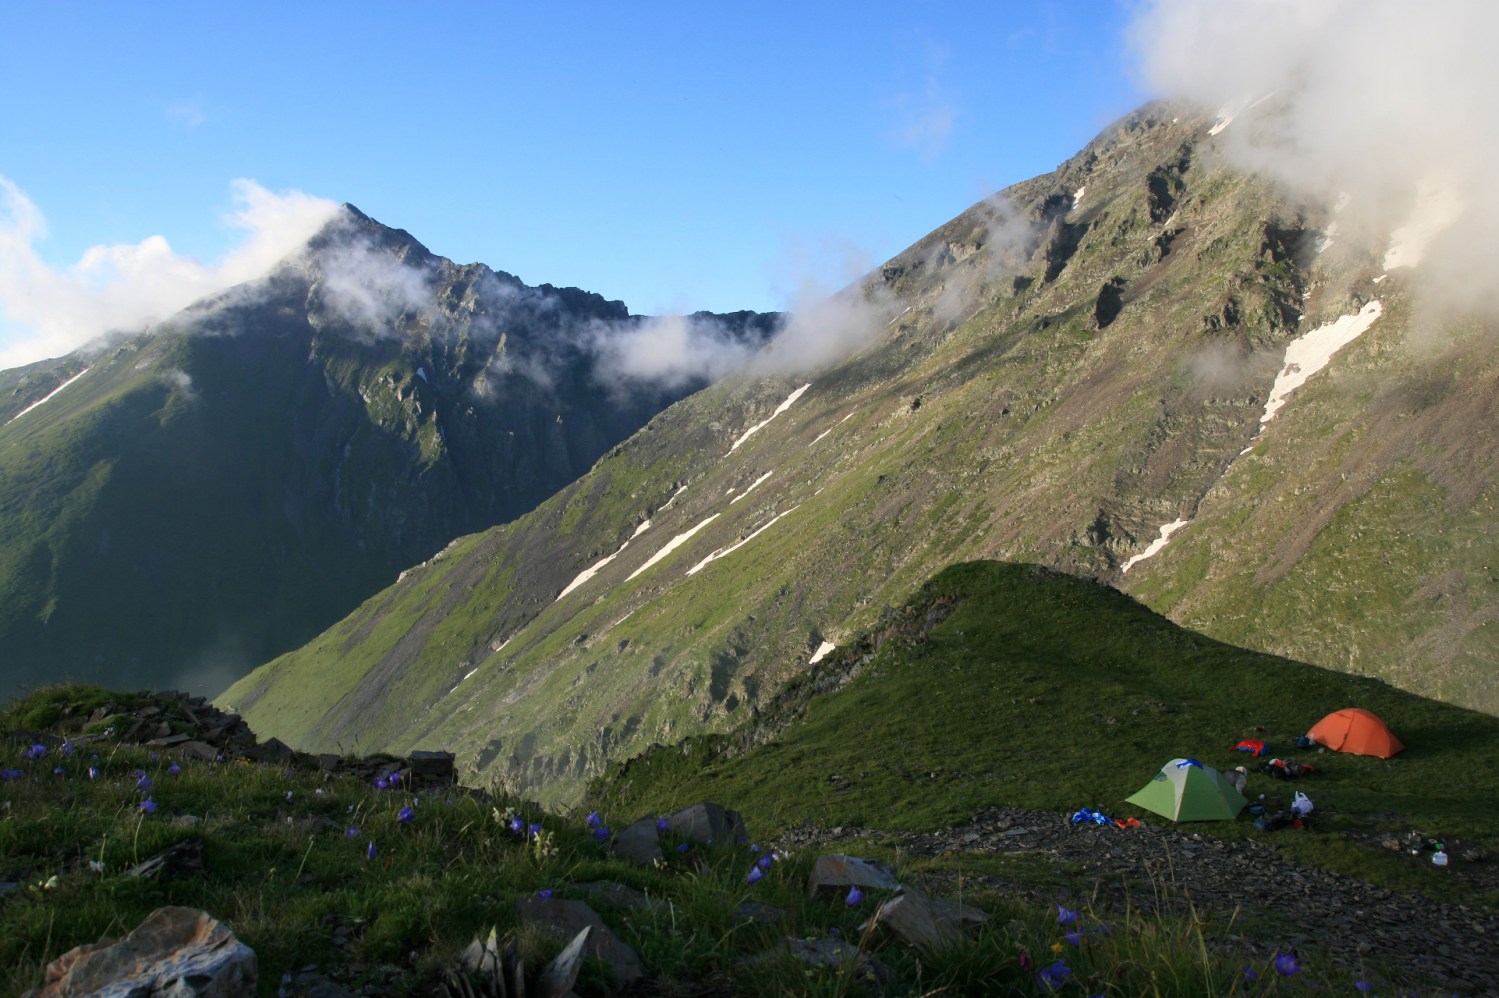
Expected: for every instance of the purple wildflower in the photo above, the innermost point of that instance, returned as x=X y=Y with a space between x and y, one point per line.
x=533 y=829
x=764 y=862
x=371 y=852
x=11 y=774
x=394 y=779
x=67 y=749
x=352 y=833
x=601 y=833
x=93 y=772
x=142 y=781
x=1363 y=987
x=754 y=847
x=1250 y=974
x=1074 y=937
x=661 y=826
x=854 y=896
x=1056 y=975
x=35 y=752
x=381 y=783
x=58 y=771
x=755 y=874
x=148 y=806
x=517 y=826
x=1065 y=915
x=1286 y=964
x=593 y=820
x=683 y=847
x=406 y=814
x=173 y=769
x=544 y=893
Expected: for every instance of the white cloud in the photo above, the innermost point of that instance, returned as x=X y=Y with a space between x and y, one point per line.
x=924 y=120
x=670 y=350
x=125 y=286
x=1376 y=98
x=371 y=288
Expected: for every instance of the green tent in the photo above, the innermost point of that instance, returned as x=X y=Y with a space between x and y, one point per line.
x=1186 y=790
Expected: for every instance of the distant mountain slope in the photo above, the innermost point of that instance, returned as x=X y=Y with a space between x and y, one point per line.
x=1054 y=377
x=186 y=502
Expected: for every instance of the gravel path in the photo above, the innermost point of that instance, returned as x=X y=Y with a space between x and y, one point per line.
x=1452 y=945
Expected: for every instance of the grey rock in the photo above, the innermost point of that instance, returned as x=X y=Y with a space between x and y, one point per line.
x=833 y=874
x=924 y=922
x=569 y=917
x=557 y=978
x=707 y=823
x=639 y=842
x=611 y=894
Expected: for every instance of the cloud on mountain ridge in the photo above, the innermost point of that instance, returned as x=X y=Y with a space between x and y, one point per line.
x=125 y=286
x=1380 y=99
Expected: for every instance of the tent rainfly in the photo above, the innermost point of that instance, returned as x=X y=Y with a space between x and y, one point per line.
x=1186 y=790
x=1355 y=730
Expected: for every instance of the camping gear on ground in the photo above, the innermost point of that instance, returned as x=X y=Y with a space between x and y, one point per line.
x=1356 y=731
x=1084 y=814
x=1286 y=769
x=1186 y=790
x=1253 y=746
x=1301 y=805
x=1439 y=857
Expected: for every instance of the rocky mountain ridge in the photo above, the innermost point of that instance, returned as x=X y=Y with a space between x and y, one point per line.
x=180 y=504
x=1075 y=372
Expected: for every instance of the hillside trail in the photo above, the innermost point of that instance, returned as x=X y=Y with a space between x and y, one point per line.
x=1274 y=903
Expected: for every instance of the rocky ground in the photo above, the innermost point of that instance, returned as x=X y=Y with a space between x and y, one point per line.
x=1285 y=905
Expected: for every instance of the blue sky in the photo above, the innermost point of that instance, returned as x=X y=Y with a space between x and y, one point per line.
x=675 y=156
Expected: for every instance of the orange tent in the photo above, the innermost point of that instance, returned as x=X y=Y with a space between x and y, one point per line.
x=1355 y=730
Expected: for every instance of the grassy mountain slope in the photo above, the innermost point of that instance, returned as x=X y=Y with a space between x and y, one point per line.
x=219 y=489
x=1068 y=694
x=1055 y=375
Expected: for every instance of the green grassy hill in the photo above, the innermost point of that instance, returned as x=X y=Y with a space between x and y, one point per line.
x=1015 y=685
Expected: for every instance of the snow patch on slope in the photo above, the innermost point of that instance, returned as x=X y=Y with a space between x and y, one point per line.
x=724 y=552
x=822 y=652
x=1310 y=352
x=1155 y=545
x=758 y=482
x=672 y=545
x=49 y=397
x=1436 y=208
x=766 y=422
x=597 y=566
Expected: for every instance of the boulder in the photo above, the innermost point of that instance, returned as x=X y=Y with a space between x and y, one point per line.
x=175 y=951
x=613 y=895
x=924 y=922
x=707 y=823
x=570 y=918
x=834 y=874
x=432 y=768
x=177 y=862
x=639 y=842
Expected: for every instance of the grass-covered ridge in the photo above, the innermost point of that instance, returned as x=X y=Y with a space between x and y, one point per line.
x=383 y=886
x=1006 y=684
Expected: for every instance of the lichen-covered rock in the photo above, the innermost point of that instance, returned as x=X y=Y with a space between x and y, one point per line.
x=176 y=952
